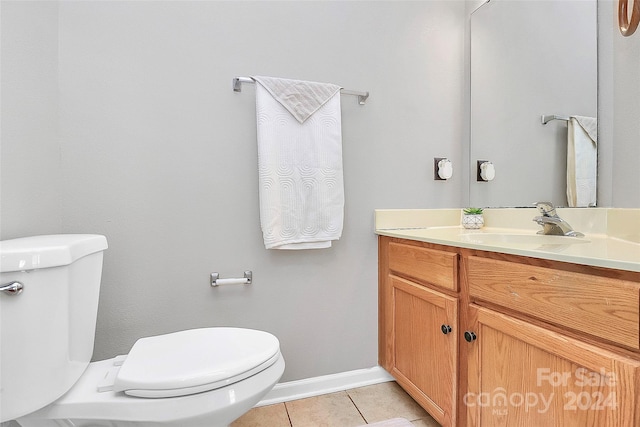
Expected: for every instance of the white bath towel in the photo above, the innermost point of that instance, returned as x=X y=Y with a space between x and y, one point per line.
x=299 y=97
x=300 y=173
x=582 y=161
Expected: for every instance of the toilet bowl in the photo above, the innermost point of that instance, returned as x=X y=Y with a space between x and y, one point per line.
x=204 y=377
x=150 y=399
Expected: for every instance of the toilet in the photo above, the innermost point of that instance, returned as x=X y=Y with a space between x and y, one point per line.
x=49 y=287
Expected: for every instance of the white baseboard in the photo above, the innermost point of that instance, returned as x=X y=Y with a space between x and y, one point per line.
x=292 y=390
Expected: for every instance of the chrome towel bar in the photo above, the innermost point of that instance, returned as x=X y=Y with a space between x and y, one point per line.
x=362 y=96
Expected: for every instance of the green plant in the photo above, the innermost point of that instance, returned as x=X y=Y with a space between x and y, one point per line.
x=472 y=211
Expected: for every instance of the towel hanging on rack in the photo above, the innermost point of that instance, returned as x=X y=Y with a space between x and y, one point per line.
x=362 y=96
x=300 y=167
x=300 y=98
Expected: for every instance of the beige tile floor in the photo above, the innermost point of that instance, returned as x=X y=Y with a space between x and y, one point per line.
x=350 y=408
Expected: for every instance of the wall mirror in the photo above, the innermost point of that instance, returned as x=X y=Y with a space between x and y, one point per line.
x=528 y=59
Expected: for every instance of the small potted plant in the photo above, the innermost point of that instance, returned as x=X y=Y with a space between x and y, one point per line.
x=472 y=218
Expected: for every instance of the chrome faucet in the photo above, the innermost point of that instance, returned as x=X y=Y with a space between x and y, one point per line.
x=551 y=223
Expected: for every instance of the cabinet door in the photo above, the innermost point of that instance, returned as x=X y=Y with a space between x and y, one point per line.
x=425 y=347
x=524 y=375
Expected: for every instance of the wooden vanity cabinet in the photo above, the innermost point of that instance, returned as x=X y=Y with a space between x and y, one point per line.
x=419 y=322
x=555 y=344
x=532 y=342
x=520 y=374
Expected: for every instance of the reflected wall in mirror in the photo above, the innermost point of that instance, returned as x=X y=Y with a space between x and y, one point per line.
x=528 y=59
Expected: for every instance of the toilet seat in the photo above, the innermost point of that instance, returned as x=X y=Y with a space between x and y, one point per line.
x=194 y=361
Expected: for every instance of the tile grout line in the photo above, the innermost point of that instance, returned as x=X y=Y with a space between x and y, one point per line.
x=354 y=403
x=288 y=416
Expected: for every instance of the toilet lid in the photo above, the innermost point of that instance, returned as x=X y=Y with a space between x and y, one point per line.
x=195 y=360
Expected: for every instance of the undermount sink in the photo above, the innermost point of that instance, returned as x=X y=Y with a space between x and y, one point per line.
x=523 y=239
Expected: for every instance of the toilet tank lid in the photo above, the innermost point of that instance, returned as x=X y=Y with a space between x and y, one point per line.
x=29 y=253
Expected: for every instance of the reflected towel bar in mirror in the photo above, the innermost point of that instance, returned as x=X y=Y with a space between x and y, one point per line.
x=547 y=119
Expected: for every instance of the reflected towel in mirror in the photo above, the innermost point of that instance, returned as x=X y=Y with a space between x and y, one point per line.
x=582 y=160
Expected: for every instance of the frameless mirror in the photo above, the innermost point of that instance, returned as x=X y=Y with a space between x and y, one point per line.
x=528 y=59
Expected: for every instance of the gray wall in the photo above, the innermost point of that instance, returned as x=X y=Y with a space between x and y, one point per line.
x=606 y=33
x=626 y=118
x=618 y=111
x=30 y=150
x=159 y=154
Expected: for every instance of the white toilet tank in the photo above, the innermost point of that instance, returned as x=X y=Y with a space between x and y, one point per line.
x=47 y=330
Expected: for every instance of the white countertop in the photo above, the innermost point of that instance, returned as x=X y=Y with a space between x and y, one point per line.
x=612 y=236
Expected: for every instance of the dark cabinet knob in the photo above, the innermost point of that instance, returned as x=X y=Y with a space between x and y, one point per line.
x=470 y=336
x=445 y=329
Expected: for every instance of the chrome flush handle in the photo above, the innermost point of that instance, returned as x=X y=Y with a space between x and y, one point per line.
x=12 y=288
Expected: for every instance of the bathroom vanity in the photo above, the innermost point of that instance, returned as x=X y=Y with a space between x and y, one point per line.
x=503 y=327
